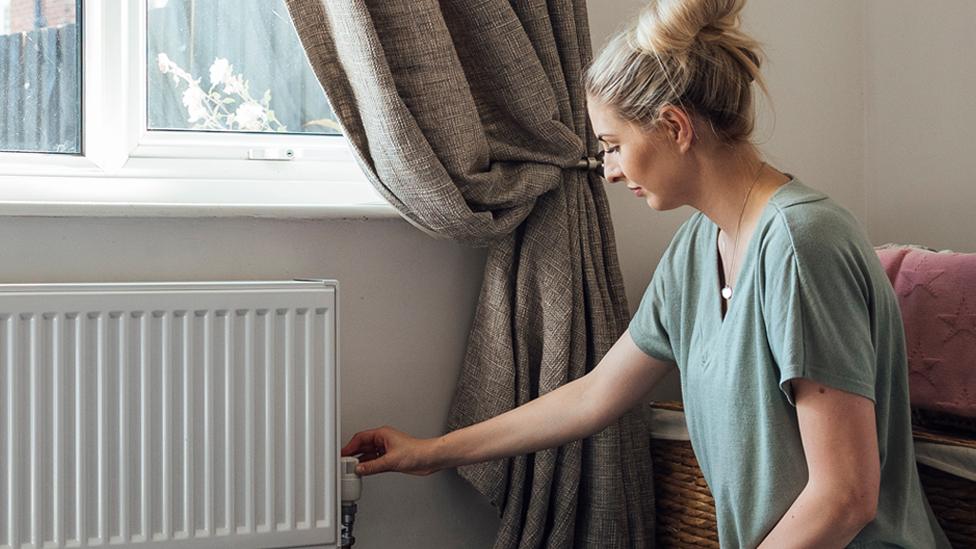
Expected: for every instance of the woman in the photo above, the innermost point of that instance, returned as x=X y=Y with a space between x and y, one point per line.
x=770 y=301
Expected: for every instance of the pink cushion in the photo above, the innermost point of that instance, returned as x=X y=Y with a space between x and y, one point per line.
x=937 y=295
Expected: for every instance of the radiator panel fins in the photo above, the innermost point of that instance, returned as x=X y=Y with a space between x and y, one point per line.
x=181 y=415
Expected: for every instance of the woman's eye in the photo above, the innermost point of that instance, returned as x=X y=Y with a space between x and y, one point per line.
x=613 y=150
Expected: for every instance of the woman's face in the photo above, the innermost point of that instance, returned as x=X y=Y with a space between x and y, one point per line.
x=647 y=161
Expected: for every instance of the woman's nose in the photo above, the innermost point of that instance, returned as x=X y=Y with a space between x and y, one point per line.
x=612 y=171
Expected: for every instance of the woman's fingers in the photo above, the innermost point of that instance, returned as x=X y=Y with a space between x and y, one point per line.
x=363 y=442
x=386 y=449
x=370 y=456
x=371 y=445
x=353 y=446
x=371 y=467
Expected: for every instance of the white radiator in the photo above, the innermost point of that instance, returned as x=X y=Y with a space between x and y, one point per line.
x=169 y=415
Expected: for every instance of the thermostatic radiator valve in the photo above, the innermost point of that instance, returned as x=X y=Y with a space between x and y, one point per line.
x=351 y=488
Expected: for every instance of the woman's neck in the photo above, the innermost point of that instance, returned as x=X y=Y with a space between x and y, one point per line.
x=727 y=177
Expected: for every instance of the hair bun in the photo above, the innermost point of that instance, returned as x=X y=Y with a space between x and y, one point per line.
x=673 y=27
x=670 y=25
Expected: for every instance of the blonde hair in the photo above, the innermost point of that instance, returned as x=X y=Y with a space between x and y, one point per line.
x=687 y=53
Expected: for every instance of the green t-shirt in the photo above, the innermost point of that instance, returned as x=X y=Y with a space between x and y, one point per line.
x=812 y=301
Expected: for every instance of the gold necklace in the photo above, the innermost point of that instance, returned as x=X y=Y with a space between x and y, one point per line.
x=727 y=290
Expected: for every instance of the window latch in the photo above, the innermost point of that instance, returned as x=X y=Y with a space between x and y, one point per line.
x=272 y=154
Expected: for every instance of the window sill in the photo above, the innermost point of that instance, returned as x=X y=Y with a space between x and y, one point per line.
x=148 y=197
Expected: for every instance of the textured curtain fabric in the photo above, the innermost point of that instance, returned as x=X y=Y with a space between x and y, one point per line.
x=469 y=117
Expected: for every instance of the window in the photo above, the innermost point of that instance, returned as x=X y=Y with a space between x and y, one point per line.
x=40 y=76
x=201 y=105
x=215 y=66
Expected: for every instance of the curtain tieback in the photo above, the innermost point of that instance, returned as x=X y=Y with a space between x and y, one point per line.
x=591 y=163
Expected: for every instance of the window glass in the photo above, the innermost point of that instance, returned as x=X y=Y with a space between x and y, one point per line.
x=231 y=65
x=40 y=76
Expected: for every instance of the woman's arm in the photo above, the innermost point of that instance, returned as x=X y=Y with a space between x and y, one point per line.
x=840 y=442
x=574 y=411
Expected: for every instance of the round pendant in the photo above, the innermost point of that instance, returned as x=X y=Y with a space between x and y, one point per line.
x=727 y=293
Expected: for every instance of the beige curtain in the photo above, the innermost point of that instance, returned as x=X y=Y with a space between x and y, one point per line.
x=469 y=117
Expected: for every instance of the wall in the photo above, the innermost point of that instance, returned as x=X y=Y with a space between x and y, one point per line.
x=920 y=156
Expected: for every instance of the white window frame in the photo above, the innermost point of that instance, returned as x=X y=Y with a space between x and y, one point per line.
x=127 y=170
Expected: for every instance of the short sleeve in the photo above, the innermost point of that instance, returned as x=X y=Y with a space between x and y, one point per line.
x=649 y=327
x=816 y=308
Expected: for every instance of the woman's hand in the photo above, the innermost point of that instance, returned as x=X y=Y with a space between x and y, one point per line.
x=386 y=449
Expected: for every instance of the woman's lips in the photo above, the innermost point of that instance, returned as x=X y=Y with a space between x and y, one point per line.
x=637 y=191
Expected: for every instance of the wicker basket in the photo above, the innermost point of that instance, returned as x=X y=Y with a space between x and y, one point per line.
x=686 y=510
x=941 y=422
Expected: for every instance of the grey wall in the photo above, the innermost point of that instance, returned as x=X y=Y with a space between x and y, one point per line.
x=920 y=154
x=407 y=300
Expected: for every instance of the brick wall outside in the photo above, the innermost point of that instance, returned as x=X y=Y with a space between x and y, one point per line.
x=56 y=13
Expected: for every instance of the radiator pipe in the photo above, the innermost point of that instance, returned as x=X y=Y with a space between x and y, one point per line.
x=351 y=489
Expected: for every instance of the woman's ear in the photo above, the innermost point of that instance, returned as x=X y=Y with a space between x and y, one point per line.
x=680 y=130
